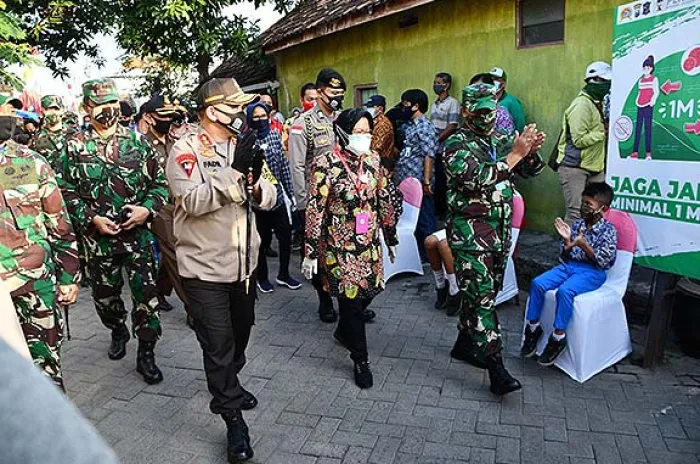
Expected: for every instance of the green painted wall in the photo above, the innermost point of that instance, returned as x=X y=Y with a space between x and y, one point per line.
x=465 y=37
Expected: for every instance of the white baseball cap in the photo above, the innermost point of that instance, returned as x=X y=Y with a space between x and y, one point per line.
x=498 y=73
x=599 y=69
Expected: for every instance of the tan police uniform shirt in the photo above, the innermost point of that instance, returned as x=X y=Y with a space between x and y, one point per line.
x=211 y=210
x=310 y=135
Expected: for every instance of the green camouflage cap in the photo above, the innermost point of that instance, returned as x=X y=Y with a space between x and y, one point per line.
x=479 y=97
x=101 y=91
x=51 y=101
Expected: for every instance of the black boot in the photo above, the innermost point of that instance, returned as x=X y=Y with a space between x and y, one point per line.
x=249 y=400
x=117 y=349
x=163 y=304
x=368 y=315
x=239 y=449
x=464 y=350
x=453 y=304
x=501 y=381
x=363 y=375
x=441 y=299
x=146 y=363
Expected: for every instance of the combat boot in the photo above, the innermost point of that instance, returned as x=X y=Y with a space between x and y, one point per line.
x=239 y=449
x=501 y=381
x=464 y=350
x=146 y=363
x=117 y=348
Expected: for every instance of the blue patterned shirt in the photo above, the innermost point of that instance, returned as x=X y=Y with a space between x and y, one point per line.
x=602 y=237
x=278 y=164
x=421 y=141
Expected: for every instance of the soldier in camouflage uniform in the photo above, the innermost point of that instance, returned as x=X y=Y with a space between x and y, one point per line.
x=480 y=163
x=38 y=250
x=114 y=186
x=71 y=123
x=50 y=141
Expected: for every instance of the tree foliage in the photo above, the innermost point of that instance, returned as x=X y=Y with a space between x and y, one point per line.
x=14 y=50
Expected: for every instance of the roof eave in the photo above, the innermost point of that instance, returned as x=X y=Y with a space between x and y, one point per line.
x=342 y=24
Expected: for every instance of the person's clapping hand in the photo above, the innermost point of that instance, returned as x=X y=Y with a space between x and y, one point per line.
x=563 y=229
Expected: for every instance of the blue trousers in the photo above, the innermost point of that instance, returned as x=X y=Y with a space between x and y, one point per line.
x=570 y=280
x=427 y=224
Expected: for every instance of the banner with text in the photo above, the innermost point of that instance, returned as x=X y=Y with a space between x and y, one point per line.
x=654 y=150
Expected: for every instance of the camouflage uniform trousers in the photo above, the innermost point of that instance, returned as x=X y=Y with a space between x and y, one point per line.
x=480 y=276
x=42 y=324
x=107 y=281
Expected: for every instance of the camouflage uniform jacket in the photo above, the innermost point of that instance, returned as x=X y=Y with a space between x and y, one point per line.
x=50 y=145
x=101 y=176
x=480 y=189
x=36 y=238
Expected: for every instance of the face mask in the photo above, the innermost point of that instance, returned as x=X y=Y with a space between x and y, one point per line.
x=105 y=115
x=359 y=143
x=597 y=90
x=438 y=88
x=237 y=123
x=162 y=127
x=407 y=112
x=7 y=127
x=483 y=123
x=588 y=213
x=335 y=102
x=52 y=119
x=372 y=112
x=647 y=71
x=124 y=122
x=262 y=126
x=307 y=105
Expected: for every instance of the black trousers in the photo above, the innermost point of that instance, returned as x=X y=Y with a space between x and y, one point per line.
x=351 y=326
x=278 y=221
x=223 y=315
x=324 y=298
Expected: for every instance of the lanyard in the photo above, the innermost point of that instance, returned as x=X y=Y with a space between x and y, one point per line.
x=359 y=181
x=492 y=151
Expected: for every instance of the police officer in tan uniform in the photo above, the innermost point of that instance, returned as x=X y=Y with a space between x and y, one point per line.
x=215 y=178
x=311 y=135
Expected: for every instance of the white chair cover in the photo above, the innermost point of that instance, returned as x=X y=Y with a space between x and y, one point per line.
x=407 y=256
x=510 y=280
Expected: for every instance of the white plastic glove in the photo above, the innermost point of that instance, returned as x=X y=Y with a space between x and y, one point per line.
x=392 y=254
x=309 y=268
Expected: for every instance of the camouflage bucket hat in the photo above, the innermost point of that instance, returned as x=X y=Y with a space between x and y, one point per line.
x=51 y=101
x=101 y=91
x=479 y=97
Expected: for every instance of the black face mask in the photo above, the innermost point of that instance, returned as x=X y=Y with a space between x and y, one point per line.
x=336 y=103
x=124 y=122
x=162 y=127
x=237 y=124
x=407 y=112
x=7 y=127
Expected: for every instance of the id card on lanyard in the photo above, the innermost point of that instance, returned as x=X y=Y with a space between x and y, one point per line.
x=361 y=181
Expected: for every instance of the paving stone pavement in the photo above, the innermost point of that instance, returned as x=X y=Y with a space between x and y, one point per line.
x=424 y=407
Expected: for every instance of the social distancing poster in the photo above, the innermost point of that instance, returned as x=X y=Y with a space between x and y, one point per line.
x=654 y=149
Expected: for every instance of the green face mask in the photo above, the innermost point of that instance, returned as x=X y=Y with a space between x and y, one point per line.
x=483 y=123
x=597 y=90
x=52 y=119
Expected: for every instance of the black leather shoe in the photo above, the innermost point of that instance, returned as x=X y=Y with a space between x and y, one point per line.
x=163 y=305
x=327 y=314
x=117 y=348
x=441 y=298
x=239 y=449
x=363 y=375
x=368 y=315
x=502 y=382
x=464 y=351
x=146 y=363
x=249 y=400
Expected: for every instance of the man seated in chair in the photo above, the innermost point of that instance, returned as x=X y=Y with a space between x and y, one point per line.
x=589 y=248
x=443 y=266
